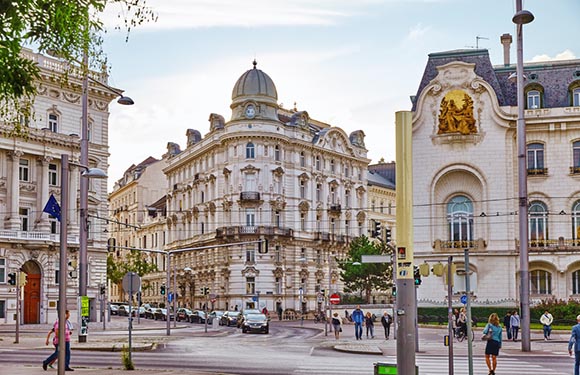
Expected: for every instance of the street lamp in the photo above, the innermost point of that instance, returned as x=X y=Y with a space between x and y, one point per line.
x=521 y=18
x=84 y=184
x=64 y=196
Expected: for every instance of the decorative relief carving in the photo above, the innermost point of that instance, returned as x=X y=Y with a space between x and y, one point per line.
x=454 y=119
x=71 y=97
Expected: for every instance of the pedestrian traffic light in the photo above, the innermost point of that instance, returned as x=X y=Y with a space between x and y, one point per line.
x=376 y=232
x=387 y=235
x=394 y=291
x=111 y=244
x=417 y=274
x=162 y=290
x=263 y=246
x=12 y=278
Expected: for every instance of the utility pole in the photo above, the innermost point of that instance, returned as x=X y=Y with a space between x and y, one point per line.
x=406 y=302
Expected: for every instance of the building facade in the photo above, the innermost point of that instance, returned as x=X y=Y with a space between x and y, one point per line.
x=31 y=171
x=266 y=174
x=466 y=177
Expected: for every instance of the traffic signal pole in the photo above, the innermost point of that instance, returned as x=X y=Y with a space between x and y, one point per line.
x=406 y=302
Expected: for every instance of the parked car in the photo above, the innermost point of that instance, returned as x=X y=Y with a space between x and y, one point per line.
x=161 y=314
x=214 y=315
x=183 y=314
x=114 y=309
x=150 y=312
x=256 y=323
x=229 y=318
x=244 y=313
x=123 y=310
x=198 y=316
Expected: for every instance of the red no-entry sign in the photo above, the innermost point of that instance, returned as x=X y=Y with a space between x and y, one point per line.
x=334 y=299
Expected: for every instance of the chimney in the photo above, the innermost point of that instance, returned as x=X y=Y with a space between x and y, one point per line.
x=506 y=40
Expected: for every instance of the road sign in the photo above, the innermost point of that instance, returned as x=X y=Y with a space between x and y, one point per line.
x=170 y=297
x=464 y=299
x=212 y=296
x=131 y=282
x=334 y=299
x=213 y=300
x=376 y=259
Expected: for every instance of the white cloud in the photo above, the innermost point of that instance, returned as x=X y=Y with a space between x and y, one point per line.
x=417 y=31
x=565 y=55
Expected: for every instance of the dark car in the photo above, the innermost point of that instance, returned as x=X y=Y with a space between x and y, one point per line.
x=161 y=314
x=114 y=309
x=243 y=314
x=123 y=310
x=183 y=314
x=256 y=323
x=229 y=318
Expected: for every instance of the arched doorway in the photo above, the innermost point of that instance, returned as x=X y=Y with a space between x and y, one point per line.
x=31 y=302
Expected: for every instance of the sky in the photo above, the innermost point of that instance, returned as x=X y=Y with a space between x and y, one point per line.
x=351 y=64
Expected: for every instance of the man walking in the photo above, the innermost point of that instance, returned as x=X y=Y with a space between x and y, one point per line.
x=575 y=342
x=358 y=318
x=57 y=343
x=515 y=325
x=386 y=321
x=547 y=320
x=506 y=325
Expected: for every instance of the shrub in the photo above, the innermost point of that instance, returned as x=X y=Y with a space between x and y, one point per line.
x=126 y=359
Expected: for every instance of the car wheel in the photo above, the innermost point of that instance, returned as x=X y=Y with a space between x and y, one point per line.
x=244 y=330
x=267 y=331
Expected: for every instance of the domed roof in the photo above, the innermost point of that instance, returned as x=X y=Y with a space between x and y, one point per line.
x=252 y=83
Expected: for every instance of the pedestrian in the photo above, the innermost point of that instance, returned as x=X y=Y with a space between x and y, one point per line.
x=462 y=321
x=575 y=342
x=358 y=317
x=546 y=319
x=386 y=321
x=494 y=344
x=279 y=310
x=370 y=324
x=57 y=342
x=54 y=344
x=515 y=325
x=347 y=316
x=336 y=325
x=506 y=324
x=265 y=311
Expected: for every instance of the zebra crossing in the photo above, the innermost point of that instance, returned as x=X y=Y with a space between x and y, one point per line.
x=432 y=365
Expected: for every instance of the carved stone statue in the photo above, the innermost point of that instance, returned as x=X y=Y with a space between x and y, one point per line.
x=453 y=119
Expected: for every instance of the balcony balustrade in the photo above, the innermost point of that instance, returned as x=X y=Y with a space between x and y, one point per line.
x=249 y=196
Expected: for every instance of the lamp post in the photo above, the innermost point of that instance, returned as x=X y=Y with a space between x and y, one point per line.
x=84 y=184
x=521 y=18
x=189 y=273
x=64 y=196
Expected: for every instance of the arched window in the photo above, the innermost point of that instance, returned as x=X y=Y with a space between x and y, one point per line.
x=540 y=282
x=250 y=151
x=460 y=219
x=277 y=153
x=536 y=159
x=576 y=282
x=533 y=99
x=576 y=222
x=538 y=224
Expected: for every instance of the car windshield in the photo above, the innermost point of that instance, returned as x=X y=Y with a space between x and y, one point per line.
x=256 y=317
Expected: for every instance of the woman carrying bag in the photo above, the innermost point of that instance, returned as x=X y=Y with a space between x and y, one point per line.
x=337 y=325
x=492 y=333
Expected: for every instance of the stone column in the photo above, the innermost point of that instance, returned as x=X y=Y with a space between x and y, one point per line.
x=43 y=194
x=13 y=222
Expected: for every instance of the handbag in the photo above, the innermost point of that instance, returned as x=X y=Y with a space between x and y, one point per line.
x=487 y=336
x=340 y=329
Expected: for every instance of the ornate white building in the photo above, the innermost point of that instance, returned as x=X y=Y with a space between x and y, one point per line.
x=31 y=171
x=267 y=173
x=465 y=175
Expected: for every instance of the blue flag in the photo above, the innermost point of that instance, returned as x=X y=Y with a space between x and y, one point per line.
x=52 y=207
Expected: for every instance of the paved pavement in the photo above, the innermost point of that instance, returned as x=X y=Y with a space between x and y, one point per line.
x=430 y=343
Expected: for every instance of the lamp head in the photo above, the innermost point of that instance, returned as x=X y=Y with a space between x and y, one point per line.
x=187 y=269
x=125 y=100
x=94 y=173
x=513 y=78
x=523 y=17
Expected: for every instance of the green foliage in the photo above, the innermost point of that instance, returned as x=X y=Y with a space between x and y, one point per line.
x=365 y=277
x=126 y=359
x=133 y=261
x=560 y=310
x=64 y=28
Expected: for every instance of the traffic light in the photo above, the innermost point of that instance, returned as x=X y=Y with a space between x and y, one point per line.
x=438 y=269
x=12 y=278
x=387 y=235
x=111 y=244
x=162 y=290
x=23 y=279
x=263 y=246
x=102 y=289
x=424 y=269
x=376 y=232
x=394 y=291
x=323 y=292
x=204 y=290
x=72 y=269
x=417 y=274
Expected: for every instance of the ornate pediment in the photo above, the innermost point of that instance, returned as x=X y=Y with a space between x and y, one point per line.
x=361 y=216
x=278 y=272
x=304 y=206
x=250 y=271
x=278 y=171
x=250 y=168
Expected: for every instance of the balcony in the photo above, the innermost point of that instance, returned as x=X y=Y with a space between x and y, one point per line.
x=561 y=244
x=18 y=235
x=242 y=230
x=249 y=196
x=537 y=171
x=335 y=209
x=478 y=245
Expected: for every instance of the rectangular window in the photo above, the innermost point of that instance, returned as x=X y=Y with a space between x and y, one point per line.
x=576 y=98
x=250 y=254
x=318 y=192
x=278 y=253
x=52 y=175
x=2 y=309
x=2 y=270
x=576 y=154
x=533 y=99
x=250 y=217
x=54 y=227
x=303 y=189
x=346 y=227
x=278 y=286
x=302 y=221
x=277 y=219
x=302 y=160
x=347 y=199
x=277 y=153
x=250 y=285
x=53 y=122
x=23 y=170
x=23 y=219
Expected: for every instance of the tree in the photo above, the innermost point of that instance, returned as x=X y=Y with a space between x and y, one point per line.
x=365 y=277
x=134 y=261
x=68 y=29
